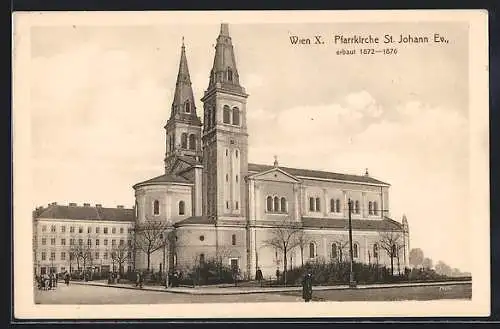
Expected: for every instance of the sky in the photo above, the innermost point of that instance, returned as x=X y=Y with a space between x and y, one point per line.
x=101 y=95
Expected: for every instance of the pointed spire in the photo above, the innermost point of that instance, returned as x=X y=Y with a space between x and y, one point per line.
x=183 y=104
x=276 y=161
x=224 y=71
x=224 y=29
x=366 y=172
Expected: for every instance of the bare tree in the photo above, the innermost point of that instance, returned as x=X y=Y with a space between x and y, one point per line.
x=343 y=248
x=390 y=241
x=302 y=241
x=149 y=237
x=416 y=257
x=120 y=254
x=284 y=238
x=427 y=263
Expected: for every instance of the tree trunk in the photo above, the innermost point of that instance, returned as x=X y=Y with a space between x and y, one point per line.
x=149 y=259
x=284 y=267
x=392 y=265
x=302 y=255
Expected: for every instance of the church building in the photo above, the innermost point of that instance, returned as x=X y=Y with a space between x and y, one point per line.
x=219 y=205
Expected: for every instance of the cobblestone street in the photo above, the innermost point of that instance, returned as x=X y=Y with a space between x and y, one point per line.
x=90 y=294
x=83 y=294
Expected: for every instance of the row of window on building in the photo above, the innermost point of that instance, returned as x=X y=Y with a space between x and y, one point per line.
x=233 y=239
x=89 y=242
x=339 y=248
x=335 y=207
x=229 y=116
x=97 y=229
x=89 y=255
x=276 y=204
x=156 y=207
x=188 y=142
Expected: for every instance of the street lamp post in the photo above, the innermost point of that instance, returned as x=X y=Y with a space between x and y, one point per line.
x=352 y=282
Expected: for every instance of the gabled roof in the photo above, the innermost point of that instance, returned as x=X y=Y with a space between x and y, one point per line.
x=86 y=213
x=254 y=168
x=166 y=178
x=196 y=220
x=385 y=224
x=278 y=169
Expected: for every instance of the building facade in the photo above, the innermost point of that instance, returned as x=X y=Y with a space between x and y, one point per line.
x=219 y=206
x=72 y=238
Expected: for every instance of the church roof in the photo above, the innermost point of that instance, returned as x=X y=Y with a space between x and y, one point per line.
x=307 y=173
x=184 y=94
x=385 y=224
x=55 y=211
x=196 y=220
x=224 y=73
x=166 y=178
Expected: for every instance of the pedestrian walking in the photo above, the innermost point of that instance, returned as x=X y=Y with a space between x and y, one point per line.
x=307 y=287
x=258 y=276
x=278 y=275
x=66 y=278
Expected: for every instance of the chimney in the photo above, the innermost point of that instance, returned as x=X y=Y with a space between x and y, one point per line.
x=98 y=205
x=72 y=204
x=86 y=204
x=366 y=172
x=53 y=204
x=119 y=206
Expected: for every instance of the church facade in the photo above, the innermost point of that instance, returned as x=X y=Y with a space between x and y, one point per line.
x=220 y=206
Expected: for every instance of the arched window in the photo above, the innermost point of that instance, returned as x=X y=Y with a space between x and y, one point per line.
x=276 y=204
x=226 y=115
x=136 y=210
x=375 y=251
x=356 y=207
x=181 y=208
x=318 y=204
x=236 y=116
x=375 y=208
x=355 y=250
x=370 y=209
x=192 y=142
x=236 y=178
x=311 y=204
x=233 y=239
x=184 y=140
x=334 y=251
x=229 y=74
x=337 y=205
x=283 y=205
x=156 y=207
x=227 y=177
x=236 y=153
x=269 y=203
x=213 y=121
x=332 y=205
x=187 y=107
x=312 y=250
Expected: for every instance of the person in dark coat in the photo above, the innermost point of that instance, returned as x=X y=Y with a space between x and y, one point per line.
x=258 y=276
x=67 y=278
x=307 y=287
x=278 y=275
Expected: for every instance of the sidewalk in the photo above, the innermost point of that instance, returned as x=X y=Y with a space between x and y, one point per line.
x=232 y=290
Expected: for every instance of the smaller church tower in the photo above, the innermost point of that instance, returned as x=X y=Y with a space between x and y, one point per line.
x=183 y=128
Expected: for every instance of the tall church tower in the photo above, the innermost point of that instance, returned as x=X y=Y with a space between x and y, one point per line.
x=183 y=128
x=225 y=138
